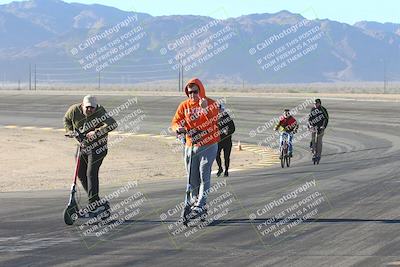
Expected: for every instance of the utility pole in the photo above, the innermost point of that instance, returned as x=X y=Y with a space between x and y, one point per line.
x=35 y=78
x=179 y=79
x=182 y=77
x=99 y=81
x=30 y=76
x=384 y=77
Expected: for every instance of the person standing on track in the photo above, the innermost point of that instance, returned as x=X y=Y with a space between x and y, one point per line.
x=198 y=118
x=318 y=120
x=93 y=121
x=227 y=128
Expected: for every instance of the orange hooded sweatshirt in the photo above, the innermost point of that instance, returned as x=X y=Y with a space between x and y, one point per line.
x=191 y=116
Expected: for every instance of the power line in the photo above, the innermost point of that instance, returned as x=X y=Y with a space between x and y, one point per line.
x=79 y=68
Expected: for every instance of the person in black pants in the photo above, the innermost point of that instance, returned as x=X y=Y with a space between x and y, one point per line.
x=95 y=123
x=317 y=119
x=89 y=173
x=227 y=128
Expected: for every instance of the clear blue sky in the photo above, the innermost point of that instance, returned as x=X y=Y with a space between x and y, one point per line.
x=348 y=11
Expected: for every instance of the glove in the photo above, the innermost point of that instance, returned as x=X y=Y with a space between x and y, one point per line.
x=181 y=130
x=70 y=134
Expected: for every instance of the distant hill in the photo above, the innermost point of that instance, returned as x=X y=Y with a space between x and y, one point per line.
x=44 y=32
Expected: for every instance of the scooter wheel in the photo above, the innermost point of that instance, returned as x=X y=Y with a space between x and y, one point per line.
x=70 y=215
x=203 y=217
x=106 y=214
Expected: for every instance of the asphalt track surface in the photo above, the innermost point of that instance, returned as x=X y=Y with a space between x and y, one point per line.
x=356 y=223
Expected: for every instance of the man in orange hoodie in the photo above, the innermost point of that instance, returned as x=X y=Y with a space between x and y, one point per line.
x=198 y=118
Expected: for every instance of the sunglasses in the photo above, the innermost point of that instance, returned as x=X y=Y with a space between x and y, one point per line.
x=193 y=92
x=90 y=107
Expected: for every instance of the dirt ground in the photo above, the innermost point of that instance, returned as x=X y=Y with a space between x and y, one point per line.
x=44 y=160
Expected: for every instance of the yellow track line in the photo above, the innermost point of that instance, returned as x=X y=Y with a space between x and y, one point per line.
x=271 y=155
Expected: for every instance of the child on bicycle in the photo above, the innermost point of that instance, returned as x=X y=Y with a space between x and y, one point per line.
x=288 y=126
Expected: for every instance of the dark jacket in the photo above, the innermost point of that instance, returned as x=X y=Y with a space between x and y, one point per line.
x=99 y=121
x=226 y=126
x=318 y=117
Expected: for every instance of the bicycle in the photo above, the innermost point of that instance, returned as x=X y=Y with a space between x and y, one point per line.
x=284 y=149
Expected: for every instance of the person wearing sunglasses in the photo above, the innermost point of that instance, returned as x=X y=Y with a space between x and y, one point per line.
x=197 y=117
x=94 y=123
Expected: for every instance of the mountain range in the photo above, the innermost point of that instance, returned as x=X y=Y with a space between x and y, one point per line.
x=49 y=38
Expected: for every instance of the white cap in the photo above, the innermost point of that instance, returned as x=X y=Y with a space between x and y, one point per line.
x=89 y=101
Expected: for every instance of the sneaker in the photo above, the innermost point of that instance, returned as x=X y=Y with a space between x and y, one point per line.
x=99 y=206
x=198 y=211
x=220 y=171
x=226 y=174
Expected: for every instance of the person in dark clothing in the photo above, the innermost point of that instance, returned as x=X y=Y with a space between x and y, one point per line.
x=227 y=128
x=94 y=122
x=318 y=121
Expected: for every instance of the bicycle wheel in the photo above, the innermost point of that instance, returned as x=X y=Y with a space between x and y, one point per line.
x=282 y=158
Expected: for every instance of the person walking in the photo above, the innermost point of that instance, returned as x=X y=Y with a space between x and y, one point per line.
x=226 y=128
x=318 y=120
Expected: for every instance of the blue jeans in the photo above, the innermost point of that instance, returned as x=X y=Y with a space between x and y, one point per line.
x=198 y=166
x=289 y=138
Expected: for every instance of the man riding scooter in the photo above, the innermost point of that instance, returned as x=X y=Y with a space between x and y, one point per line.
x=92 y=121
x=197 y=117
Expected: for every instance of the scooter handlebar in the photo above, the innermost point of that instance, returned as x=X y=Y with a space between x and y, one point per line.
x=80 y=137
